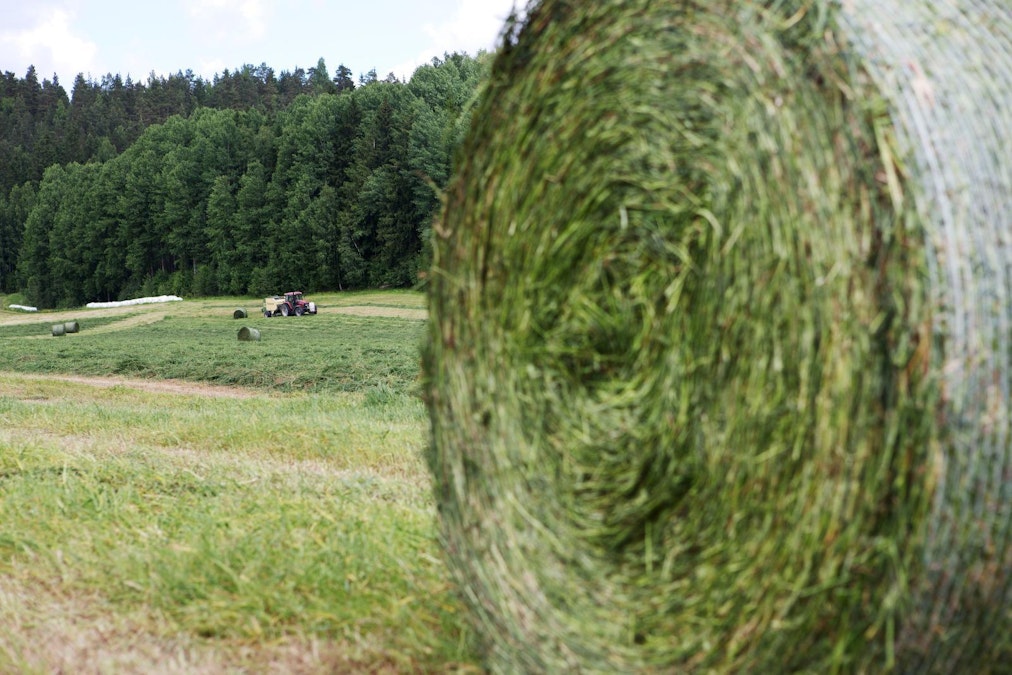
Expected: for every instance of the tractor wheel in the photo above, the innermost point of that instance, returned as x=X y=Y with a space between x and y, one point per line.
x=267 y=313
x=284 y=310
x=299 y=311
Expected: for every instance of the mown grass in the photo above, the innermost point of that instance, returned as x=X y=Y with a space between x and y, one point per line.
x=198 y=341
x=43 y=328
x=239 y=532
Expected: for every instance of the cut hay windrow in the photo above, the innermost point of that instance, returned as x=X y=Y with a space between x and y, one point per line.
x=718 y=366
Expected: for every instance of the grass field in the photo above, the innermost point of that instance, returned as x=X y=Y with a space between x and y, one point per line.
x=174 y=500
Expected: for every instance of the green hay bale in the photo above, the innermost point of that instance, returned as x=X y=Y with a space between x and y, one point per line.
x=239 y=313
x=247 y=334
x=718 y=367
x=71 y=327
x=59 y=330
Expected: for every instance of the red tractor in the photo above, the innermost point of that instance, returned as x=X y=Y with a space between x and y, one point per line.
x=288 y=304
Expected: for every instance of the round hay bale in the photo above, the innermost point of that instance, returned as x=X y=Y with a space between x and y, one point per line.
x=239 y=313
x=718 y=366
x=71 y=327
x=249 y=334
x=59 y=329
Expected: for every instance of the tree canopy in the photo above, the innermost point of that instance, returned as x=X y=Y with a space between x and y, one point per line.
x=243 y=185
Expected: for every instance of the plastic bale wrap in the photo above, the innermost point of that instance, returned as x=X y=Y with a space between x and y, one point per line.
x=718 y=363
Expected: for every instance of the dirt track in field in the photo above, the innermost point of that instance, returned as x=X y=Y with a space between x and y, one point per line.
x=156 y=386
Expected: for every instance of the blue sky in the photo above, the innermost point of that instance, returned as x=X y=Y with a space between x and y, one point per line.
x=136 y=38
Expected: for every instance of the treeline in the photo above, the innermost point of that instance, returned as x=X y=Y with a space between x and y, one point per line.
x=248 y=185
x=41 y=126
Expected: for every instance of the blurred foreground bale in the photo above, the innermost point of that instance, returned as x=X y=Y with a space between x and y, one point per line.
x=718 y=367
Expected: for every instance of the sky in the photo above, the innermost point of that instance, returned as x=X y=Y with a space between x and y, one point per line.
x=137 y=37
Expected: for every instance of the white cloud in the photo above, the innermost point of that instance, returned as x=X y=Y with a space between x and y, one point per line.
x=239 y=20
x=51 y=45
x=474 y=25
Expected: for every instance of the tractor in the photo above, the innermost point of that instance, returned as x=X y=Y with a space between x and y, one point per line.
x=288 y=304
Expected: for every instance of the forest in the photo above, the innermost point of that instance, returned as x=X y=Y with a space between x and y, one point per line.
x=250 y=184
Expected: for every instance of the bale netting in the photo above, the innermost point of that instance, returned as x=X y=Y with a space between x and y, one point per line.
x=718 y=366
x=239 y=313
x=247 y=334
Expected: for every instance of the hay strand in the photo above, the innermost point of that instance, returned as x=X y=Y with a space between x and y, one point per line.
x=719 y=356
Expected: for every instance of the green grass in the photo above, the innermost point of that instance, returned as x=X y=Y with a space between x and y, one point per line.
x=329 y=352
x=43 y=328
x=292 y=523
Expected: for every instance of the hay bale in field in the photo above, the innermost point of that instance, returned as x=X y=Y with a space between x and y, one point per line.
x=239 y=313
x=71 y=327
x=59 y=330
x=247 y=334
x=718 y=368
